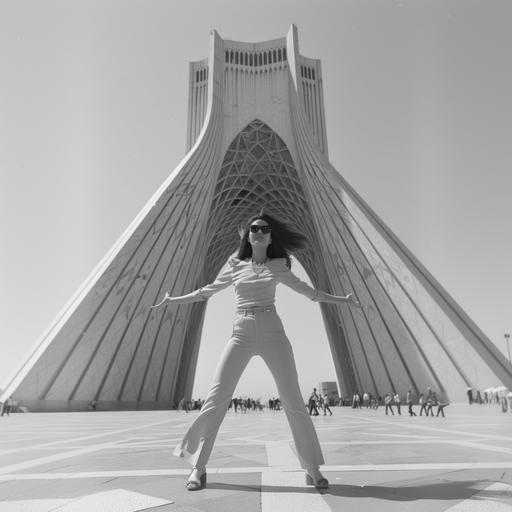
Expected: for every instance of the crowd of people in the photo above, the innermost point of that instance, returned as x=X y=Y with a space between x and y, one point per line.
x=393 y=402
x=237 y=404
x=247 y=404
x=499 y=395
x=319 y=403
x=189 y=405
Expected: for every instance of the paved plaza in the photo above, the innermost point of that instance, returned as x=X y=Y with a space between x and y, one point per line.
x=121 y=461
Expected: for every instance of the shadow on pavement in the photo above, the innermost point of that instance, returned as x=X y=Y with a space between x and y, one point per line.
x=446 y=490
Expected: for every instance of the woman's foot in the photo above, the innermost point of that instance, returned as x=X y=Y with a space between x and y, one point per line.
x=197 y=479
x=314 y=477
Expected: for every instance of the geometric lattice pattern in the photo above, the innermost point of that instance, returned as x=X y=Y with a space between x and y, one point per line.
x=257 y=172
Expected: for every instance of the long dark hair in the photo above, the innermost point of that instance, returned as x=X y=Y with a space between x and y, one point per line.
x=284 y=239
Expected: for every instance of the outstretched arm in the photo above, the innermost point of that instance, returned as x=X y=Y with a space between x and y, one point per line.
x=223 y=280
x=287 y=277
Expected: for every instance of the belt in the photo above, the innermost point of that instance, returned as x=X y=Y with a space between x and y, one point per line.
x=254 y=309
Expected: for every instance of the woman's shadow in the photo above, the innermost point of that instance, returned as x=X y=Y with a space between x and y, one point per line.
x=444 y=490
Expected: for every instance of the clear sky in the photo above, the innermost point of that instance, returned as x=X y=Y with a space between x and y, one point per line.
x=93 y=106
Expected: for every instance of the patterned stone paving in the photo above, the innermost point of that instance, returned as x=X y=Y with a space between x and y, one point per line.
x=121 y=461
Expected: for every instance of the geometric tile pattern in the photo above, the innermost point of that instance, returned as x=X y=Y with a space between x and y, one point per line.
x=373 y=461
x=117 y=500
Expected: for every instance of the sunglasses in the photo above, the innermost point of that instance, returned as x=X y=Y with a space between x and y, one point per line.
x=264 y=229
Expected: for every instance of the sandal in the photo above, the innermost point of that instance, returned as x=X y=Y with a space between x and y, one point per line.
x=318 y=480
x=197 y=485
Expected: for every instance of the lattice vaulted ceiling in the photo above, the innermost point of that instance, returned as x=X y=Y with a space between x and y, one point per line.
x=257 y=173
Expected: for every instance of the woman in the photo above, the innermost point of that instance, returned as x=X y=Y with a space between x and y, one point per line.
x=262 y=262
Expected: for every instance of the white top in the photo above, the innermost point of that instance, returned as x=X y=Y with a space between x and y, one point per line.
x=256 y=285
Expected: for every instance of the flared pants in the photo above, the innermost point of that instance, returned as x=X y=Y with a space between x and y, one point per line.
x=256 y=331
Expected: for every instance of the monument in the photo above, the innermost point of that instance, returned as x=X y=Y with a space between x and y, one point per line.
x=256 y=139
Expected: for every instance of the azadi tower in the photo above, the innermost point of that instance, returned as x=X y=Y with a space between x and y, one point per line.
x=256 y=139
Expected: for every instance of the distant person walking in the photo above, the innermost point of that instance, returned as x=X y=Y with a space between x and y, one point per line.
x=397 y=400
x=431 y=401
x=440 y=407
x=388 y=400
x=423 y=404
x=8 y=407
x=5 y=409
x=326 y=405
x=313 y=400
x=183 y=405
x=408 y=400
x=320 y=402
x=356 y=401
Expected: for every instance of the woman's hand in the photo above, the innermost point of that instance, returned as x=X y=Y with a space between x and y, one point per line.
x=165 y=299
x=353 y=302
